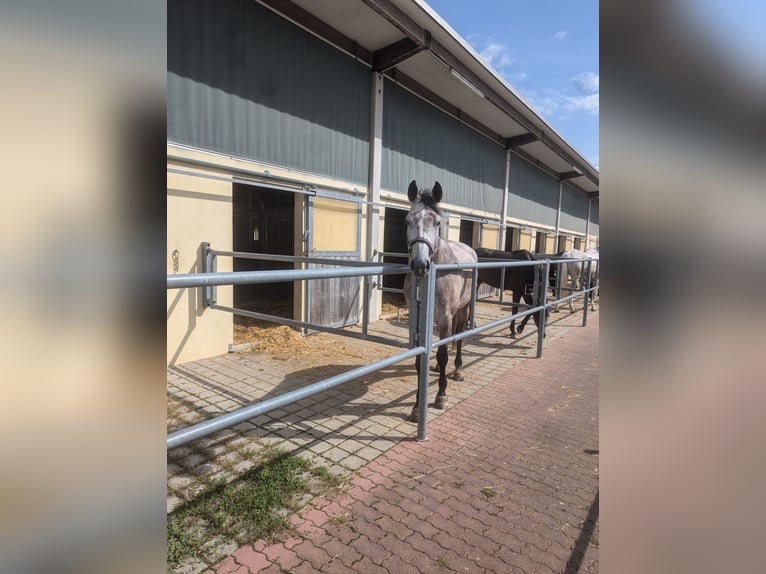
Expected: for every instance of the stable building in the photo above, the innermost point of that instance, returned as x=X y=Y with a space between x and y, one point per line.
x=294 y=129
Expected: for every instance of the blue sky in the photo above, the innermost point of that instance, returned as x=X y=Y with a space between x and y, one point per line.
x=547 y=50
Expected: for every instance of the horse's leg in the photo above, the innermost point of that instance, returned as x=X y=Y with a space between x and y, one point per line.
x=441 y=359
x=592 y=296
x=556 y=289
x=514 y=310
x=461 y=317
x=442 y=356
x=525 y=320
x=572 y=287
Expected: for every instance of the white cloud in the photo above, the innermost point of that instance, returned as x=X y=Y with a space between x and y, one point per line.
x=545 y=105
x=586 y=82
x=560 y=35
x=587 y=103
x=555 y=104
x=497 y=55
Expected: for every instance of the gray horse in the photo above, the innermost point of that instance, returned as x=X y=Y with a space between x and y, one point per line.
x=453 y=288
x=576 y=272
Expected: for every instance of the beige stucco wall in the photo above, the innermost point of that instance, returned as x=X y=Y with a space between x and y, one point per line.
x=197 y=210
x=526 y=240
x=550 y=243
x=335 y=225
x=490 y=236
x=454 y=228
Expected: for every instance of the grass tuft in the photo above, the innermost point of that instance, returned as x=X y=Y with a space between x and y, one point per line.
x=248 y=509
x=488 y=492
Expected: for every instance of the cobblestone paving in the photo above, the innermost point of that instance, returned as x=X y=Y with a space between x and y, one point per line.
x=508 y=481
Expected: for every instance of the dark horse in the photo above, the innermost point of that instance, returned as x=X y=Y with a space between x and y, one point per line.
x=520 y=280
x=453 y=288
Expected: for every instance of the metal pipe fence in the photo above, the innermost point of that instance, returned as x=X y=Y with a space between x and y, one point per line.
x=421 y=339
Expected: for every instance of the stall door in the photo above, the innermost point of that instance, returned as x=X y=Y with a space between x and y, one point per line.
x=334 y=232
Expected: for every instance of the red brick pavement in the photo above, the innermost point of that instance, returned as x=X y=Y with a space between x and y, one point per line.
x=507 y=482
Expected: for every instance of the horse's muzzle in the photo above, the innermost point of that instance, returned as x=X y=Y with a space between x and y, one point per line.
x=420 y=268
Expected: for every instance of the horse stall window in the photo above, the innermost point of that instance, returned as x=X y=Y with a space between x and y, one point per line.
x=562 y=246
x=394 y=241
x=525 y=239
x=512 y=239
x=578 y=244
x=264 y=222
x=540 y=242
x=466 y=232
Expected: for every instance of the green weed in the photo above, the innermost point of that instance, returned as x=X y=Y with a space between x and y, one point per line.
x=248 y=509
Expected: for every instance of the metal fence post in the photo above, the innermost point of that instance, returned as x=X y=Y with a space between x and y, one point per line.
x=367 y=293
x=426 y=291
x=587 y=295
x=542 y=300
x=557 y=293
x=474 y=296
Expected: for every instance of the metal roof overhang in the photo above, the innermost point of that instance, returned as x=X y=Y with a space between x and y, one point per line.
x=413 y=45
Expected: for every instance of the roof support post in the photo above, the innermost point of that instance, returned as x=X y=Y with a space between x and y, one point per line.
x=373 y=186
x=558 y=214
x=504 y=213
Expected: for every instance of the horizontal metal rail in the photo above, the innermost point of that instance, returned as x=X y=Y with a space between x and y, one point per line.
x=182 y=281
x=390 y=289
x=391 y=254
x=227 y=420
x=292 y=258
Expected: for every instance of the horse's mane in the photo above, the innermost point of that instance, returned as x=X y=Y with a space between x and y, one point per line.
x=426 y=198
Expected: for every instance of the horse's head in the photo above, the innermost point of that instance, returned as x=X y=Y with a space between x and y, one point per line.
x=423 y=226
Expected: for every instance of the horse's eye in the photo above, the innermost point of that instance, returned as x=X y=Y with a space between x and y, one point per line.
x=438 y=222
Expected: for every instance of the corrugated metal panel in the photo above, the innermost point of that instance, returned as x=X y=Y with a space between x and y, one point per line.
x=533 y=195
x=334 y=302
x=422 y=143
x=246 y=82
x=574 y=210
x=594 y=219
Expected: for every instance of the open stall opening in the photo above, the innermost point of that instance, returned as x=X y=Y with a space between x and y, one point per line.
x=264 y=222
x=512 y=238
x=466 y=232
x=394 y=241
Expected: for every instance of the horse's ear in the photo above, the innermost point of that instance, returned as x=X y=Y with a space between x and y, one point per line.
x=412 y=191
x=436 y=191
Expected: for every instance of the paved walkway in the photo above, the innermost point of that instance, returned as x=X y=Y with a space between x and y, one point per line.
x=508 y=481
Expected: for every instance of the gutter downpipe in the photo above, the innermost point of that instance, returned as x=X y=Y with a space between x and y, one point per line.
x=558 y=214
